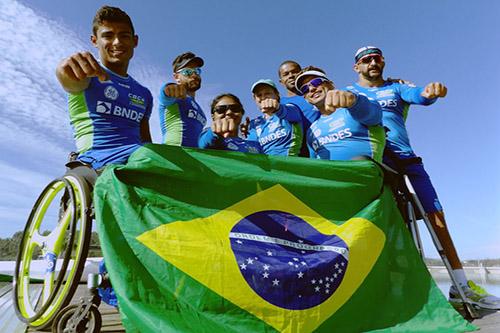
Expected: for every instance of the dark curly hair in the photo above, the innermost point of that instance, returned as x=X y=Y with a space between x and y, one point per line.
x=110 y=14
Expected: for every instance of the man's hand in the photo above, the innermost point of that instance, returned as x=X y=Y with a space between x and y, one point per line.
x=269 y=105
x=434 y=90
x=176 y=90
x=244 y=127
x=339 y=99
x=80 y=66
x=224 y=127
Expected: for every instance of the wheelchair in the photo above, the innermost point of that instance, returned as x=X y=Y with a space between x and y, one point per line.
x=412 y=210
x=41 y=301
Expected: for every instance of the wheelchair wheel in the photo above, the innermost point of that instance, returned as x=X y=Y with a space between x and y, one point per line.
x=71 y=319
x=40 y=292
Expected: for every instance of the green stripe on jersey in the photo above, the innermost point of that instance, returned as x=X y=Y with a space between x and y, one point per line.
x=173 y=125
x=377 y=141
x=80 y=120
x=296 y=144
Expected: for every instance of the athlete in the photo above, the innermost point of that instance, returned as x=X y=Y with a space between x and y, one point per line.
x=350 y=124
x=279 y=129
x=287 y=72
x=227 y=112
x=181 y=118
x=109 y=111
x=395 y=99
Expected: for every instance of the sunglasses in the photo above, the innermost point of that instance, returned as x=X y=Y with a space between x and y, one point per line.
x=314 y=82
x=367 y=60
x=190 y=71
x=221 y=109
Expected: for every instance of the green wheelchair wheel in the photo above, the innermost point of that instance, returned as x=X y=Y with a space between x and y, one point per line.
x=37 y=300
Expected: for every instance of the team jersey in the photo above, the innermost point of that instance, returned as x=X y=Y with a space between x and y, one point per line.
x=106 y=119
x=209 y=140
x=309 y=112
x=348 y=133
x=181 y=120
x=281 y=133
x=395 y=100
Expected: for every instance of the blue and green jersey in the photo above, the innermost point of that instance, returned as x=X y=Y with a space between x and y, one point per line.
x=181 y=120
x=281 y=133
x=395 y=100
x=210 y=140
x=106 y=119
x=348 y=133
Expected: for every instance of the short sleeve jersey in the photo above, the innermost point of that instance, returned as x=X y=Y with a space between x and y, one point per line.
x=181 y=120
x=209 y=140
x=106 y=119
x=281 y=133
x=348 y=133
x=395 y=100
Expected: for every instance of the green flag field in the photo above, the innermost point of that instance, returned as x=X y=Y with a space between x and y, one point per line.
x=215 y=241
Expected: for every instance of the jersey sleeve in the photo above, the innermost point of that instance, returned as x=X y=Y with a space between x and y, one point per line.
x=293 y=113
x=209 y=139
x=366 y=110
x=413 y=95
x=252 y=133
x=164 y=99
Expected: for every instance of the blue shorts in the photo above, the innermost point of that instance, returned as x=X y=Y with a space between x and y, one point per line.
x=419 y=179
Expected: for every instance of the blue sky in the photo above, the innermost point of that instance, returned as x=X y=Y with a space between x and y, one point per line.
x=454 y=42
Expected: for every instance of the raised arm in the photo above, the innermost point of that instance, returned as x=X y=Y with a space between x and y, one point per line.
x=74 y=72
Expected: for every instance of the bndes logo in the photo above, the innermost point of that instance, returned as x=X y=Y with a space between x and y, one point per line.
x=116 y=110
x=103 y=107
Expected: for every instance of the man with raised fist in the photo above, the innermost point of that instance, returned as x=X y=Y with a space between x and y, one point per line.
x=279 y=130
x=350 y=123
x=181 y=118
x=108 y=109
x=395 y=99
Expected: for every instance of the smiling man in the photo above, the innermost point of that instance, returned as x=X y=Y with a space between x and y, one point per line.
x=181 y=118
x=350 y=123
x=109 y=110
x=395 y=99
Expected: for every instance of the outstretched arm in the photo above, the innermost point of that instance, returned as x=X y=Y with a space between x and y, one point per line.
x=74 y=72
x=423 y=96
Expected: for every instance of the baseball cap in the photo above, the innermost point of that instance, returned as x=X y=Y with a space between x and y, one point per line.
x=268 y=82
x=300 y=77
x=365 y=51
x=184 y=59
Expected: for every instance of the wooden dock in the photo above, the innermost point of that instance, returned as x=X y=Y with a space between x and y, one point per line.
x=488 y=323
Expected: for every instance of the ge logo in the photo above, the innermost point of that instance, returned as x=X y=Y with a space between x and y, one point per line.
x=111 y=93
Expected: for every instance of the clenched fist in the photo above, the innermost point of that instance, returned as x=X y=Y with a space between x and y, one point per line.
x=176 y=90
x=434 y=89
x=339 y=99
x=80 y=66
x=224 y=127
x=269 y=105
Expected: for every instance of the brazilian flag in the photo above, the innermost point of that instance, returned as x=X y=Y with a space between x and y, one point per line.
x=215 y=241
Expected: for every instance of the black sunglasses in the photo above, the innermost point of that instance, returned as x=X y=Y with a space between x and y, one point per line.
x=221 y=109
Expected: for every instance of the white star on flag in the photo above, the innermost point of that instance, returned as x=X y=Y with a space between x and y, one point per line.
x=265 y=275
x=243 y=266
x=239 y=242
x=276 y=282
x=269 y=253
x=250 y=261
x=336 y=266
x=316 y=289
x=266 y=267
x=300 y=275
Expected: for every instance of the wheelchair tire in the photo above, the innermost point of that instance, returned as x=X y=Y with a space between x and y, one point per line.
x=69 y=321
x=68 y=241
